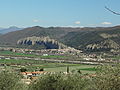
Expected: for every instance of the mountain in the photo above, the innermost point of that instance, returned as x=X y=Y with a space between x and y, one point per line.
x=87 y=39
x=52 y=32
x=1 y=28
x=97 y=40
x=10 y=29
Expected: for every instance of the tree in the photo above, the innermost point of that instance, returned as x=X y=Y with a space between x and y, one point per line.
x=79 y=71
x=107 y=78
x=8 y=80
x=67 y=69
x=112 y=11
x=41 y=69
x=23 y=70
x=20 y=86
x=59 y=81
x=45 y=82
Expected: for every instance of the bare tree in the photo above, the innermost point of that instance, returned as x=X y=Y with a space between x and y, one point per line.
x=112 y=11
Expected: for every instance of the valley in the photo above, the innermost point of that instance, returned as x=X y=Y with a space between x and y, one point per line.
x=59 y=45
x=36 y=51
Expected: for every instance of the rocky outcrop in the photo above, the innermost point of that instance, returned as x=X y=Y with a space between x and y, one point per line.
x=47 y=42
x=104 y=45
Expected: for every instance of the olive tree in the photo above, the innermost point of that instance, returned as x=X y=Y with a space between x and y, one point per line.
x=8 y=80
x=59 y=81
x=107 y=78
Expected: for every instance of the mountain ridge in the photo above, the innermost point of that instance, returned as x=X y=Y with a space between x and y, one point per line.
x=10 y=29
x=79 y=38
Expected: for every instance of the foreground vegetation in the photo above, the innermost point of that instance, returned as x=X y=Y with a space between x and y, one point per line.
x=106 y=78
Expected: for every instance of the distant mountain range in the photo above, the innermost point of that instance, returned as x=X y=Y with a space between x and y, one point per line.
x=86 y=39
x=10 y=29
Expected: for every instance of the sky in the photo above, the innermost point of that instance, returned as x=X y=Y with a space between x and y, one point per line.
x=59 y=13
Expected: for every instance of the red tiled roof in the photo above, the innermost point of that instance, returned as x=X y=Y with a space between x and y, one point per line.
x=23 y=73
x=26 y=73
x=37 y=72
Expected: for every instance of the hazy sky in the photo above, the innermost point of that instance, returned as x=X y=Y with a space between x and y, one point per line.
x=26 y=13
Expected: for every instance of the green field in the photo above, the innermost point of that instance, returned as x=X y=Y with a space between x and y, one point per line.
x=10 y=53
x=15 y=54
x=32 y=65
x=83 y=68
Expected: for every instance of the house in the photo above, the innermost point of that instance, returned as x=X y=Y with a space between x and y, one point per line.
x=26 y=74
x=45 y=54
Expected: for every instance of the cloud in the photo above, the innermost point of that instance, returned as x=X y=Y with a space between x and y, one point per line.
x=106 y=23
x=77 y=22
x=35 y=20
